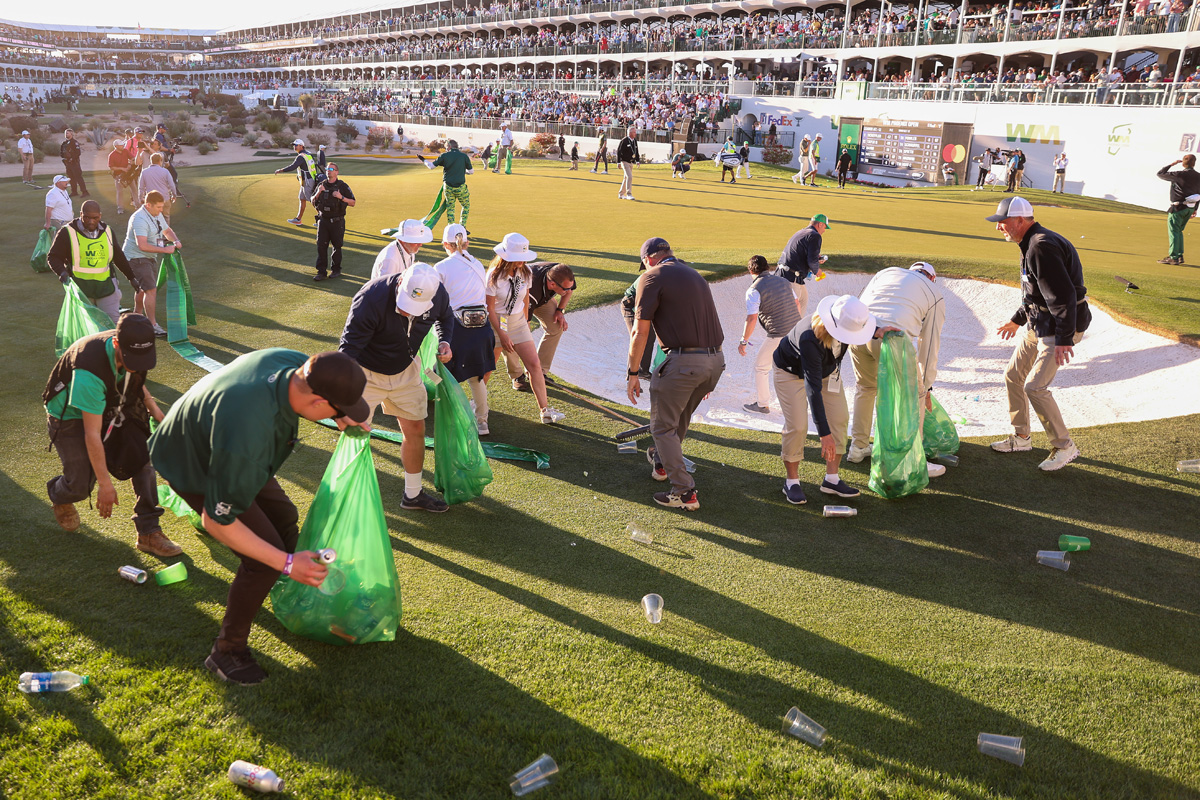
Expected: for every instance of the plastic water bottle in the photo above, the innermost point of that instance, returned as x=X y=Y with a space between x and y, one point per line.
x=335 y=580
x=38 y=682
x=252 y=776
x=839 y=511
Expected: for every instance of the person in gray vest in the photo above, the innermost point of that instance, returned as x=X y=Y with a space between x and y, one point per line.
x=910 y=300
x=769 y=302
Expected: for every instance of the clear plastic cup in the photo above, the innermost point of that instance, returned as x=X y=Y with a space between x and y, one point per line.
x=537 y=775
x=1054 y=558
x=639 y=534
x=949 y=459
x=1190 y=465
x=795 y=723
x=335 y=581
x=1072 y=544
x=173 y=574
x=1005 y=748
x=627 y=448
x=652 y=604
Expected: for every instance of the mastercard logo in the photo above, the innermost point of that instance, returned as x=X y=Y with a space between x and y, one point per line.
x=954 y=153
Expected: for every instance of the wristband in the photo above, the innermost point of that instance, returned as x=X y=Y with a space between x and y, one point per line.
x=287 y=566
x=631 y=372
x=744 y=343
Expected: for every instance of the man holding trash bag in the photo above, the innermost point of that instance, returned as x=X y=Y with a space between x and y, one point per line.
x=84 y=250
x=1055 y=314
x=910 y=300
x=97 y=405
x=219 y=448
x=388 y=320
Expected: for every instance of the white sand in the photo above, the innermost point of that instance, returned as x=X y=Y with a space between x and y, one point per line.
x=1119 y=374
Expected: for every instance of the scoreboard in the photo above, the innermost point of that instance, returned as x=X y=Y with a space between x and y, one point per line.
x=913 y=150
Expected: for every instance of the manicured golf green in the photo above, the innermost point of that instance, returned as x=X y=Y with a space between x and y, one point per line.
x=905 y=631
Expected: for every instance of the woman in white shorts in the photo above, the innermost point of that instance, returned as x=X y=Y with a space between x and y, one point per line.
x=507 y=290
x=472 y=342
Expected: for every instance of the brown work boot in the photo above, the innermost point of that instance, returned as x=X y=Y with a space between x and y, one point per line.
x=67 y=516
x=156 y=544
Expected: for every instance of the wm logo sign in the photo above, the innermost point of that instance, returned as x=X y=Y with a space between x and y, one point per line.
x=1033 y=134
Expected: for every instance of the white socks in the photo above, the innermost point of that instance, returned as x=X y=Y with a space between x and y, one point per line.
x=790 y=482
x=832 y=478
x=479 y=394
x=412 y=484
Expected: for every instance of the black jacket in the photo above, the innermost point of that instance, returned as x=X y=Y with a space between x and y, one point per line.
x=1184 y=183
x=627 y=150
x=328 y=206
x=68 y=151
x=382 y=339
x=1053 y=295
x=59 y=260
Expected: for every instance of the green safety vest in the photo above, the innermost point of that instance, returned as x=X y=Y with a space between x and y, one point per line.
x=90 y=258
x=312 y=164
x=816 y=149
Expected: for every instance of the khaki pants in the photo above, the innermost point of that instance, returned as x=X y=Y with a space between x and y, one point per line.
x=1030 y=371
x=764 y=363
x=551 y=332
x=626 y=189
x=1060 y=178
x=794 y=404
x=501 y=154
x=27 y=167
x=801 y=292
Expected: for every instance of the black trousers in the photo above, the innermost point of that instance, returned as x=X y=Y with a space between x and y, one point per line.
x=330 y=232
x=75 y=175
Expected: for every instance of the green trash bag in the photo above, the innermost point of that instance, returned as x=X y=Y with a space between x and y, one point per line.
x=939 y=434
x=460 y=468
x=428 y=356
x=77 y=318
x=179 y=507
x=508 y=162
x=898 y=466
x=363 y=604
x=40 y=251
x=492 y=162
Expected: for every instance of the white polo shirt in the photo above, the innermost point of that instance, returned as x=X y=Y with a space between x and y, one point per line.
x=464 y=278
x=391 y=259
x=59 y=203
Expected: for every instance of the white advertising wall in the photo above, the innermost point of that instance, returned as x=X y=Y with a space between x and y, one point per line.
x=1114 y=152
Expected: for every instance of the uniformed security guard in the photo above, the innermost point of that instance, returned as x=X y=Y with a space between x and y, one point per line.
x=219 y=448
x=69 y=152
x=84 y=250
x=330 y=200
x=456 y=166
x=308 y=172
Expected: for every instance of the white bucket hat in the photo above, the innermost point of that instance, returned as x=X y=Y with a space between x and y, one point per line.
x=415 y=293
x=514 y=247
x=413 y=231
x=451 y=231
x=847 y=319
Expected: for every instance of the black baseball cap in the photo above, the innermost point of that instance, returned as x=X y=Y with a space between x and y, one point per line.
x=653 y=246
x=340 y=380
x=135 y=335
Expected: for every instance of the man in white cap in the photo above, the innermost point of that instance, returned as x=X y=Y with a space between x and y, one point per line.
x=58 y=204
x=628 y=155
x=505 y=149
x=308 y=171
x=814 y=160
x=908 y=299
x=805 y=147
x=389 y=319
x=1055 y=313
x=402 y=253
x=25 y=148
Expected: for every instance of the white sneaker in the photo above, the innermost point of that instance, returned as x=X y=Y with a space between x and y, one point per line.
x=552 y=415
x=1059 y=458
x=1013 y=444
x=857 y=454
x=935 y=469
x=795 y=176
x=482 y=427
x=629 y=197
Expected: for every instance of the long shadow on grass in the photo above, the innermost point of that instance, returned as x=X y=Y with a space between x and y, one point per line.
x=874 y=741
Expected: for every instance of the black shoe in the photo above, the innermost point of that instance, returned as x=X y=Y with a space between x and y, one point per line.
x=235 y=666
x=841 y=488
x=794 y=495
x=337 y=273
x=424 y=502
x=320 y=276
x=521 y=383
x=548 y=380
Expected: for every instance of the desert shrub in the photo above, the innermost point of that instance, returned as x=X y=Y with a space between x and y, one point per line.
x=281 y=139
x=250 y=139
x=77 y=123
x=11 y=156
x=398 y=145
x=316 y=122
x=379 y=136
x=204 y=148
x=294 y=127
x=437 y=145
x=239 y=129
x=777 y=154
x=212 y=117
x=318 y=139
x=183 y=116
x=345 y=128
x=271 y=126
x=544 y=139
x=181 y=129
x=223 y=131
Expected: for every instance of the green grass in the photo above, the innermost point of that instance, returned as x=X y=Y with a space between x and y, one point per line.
x=905 y=630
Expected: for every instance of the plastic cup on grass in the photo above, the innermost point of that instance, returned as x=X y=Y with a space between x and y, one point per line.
x=1190 y=465
x=1005 y=748
x=639 y=534
x=652 y=604
x=537 y=775
x=173 y=574
x=1073 y=543
x=949 y=459
x=1054 y=558
x=627 y=448
x=795 y=723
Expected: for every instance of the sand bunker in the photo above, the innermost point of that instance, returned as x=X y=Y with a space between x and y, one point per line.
x=1109 y=380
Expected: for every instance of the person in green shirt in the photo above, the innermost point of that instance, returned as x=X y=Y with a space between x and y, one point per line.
x=456 y=166
x=101 y=379
x=219 y=448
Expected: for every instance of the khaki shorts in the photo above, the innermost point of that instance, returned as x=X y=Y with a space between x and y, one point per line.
x=402 y=395
x=145 y=271
x=516 y=327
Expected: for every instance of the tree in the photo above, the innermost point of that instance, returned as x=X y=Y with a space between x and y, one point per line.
x=306 y=104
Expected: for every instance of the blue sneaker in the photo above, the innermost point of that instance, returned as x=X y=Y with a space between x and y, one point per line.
x=794 y=495
x=841 y=488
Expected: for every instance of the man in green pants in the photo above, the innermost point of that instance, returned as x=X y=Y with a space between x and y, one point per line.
x=456 y=166
x=1185 y=198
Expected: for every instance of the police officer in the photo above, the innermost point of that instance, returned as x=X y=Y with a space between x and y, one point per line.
x=330 y=199
x=69 y=152
x=308 y=172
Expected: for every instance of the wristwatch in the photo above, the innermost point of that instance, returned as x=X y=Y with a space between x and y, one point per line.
x=631 y=372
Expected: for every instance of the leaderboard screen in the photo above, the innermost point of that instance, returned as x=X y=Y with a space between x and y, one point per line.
x=913 y=150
